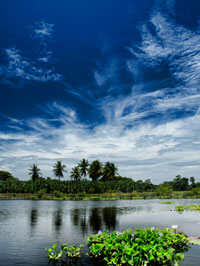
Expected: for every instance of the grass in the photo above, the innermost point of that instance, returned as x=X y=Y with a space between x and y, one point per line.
x=98 y=196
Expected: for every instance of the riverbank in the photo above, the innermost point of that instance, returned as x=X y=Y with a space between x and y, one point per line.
x=101 y=196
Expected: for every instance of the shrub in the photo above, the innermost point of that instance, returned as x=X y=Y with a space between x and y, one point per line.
x=57 y=194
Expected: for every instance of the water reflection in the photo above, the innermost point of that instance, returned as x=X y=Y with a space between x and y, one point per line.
x=95 y=219
x=4 y=214
x=79 y=218
x=57 y=220
x=75 y=215
x=33 y=217
x=83 y=222
x=110 y=217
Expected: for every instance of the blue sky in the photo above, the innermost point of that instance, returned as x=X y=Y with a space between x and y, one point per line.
x=110 y=80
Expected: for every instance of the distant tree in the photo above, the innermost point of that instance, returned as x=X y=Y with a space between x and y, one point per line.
x=83 y=166
x=75 y=174
x=95 y=170
x=5 y=175
x=109 y=171
x=148 y=185
x=180 y=183
x=34 y=172
x=192 y=182
x=59 y=169
x=177 y=183
x=139 y=185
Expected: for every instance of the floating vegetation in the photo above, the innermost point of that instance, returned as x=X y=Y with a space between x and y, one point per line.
x=147 y=246
x=73 y=252
x=190 y=207
x=167 y=202
x=194 y=241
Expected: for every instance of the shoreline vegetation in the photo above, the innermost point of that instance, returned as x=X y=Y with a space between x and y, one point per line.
x=99 y=196
x=93 y=181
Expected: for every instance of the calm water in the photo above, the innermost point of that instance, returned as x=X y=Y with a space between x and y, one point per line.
x=28 y=227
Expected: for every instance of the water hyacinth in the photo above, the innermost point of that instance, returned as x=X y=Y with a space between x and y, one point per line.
x=118 y=233
x=175 y=226
x=139 y=247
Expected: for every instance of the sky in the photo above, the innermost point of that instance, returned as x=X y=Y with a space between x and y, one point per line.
x=112 y=80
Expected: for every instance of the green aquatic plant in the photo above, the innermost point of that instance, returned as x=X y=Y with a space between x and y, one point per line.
x=194 y=241
x=190 y=207
x=73 y=251
x=167 y=202
x=148 y=246
x=53 y=255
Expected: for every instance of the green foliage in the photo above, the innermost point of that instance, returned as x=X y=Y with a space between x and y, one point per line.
x=59 y=169
x=75 y=174
x=180 y=183
x=95 y=170
x=5 y=175
x=109 y=171
x=147 y=246
x=167 y=202
x=83 y=166
x=53 y=255
x=73 y=251
x=57 y=194
x=34 y=172
x=190 y=207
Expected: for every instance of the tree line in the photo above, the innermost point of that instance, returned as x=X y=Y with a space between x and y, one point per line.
x=95 y=170
x=103 y=178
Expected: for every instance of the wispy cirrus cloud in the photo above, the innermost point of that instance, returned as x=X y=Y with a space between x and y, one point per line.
x=25 y=69
x=20 y=68
x=43 y=31
x=107 y=74
x=144 y=151
x=172 y=43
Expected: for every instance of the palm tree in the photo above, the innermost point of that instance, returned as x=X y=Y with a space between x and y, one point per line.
x=109 y=171
x=34 y=172
x=95 y=170
x=58 y=169
x=75 y=174
x=83 y=166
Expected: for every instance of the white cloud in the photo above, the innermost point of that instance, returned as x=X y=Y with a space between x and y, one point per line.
x=178 y=46
x=146 y=151
x=26 y=69
x=106 y=73
x=43 y=31
x=138 y=133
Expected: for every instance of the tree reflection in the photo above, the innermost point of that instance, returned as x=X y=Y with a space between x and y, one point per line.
x=79 y=218
x=110 y=217
x=58 y=220
x=95 y=219
x=83 y=224
x=33 y=217
x=75 y=215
